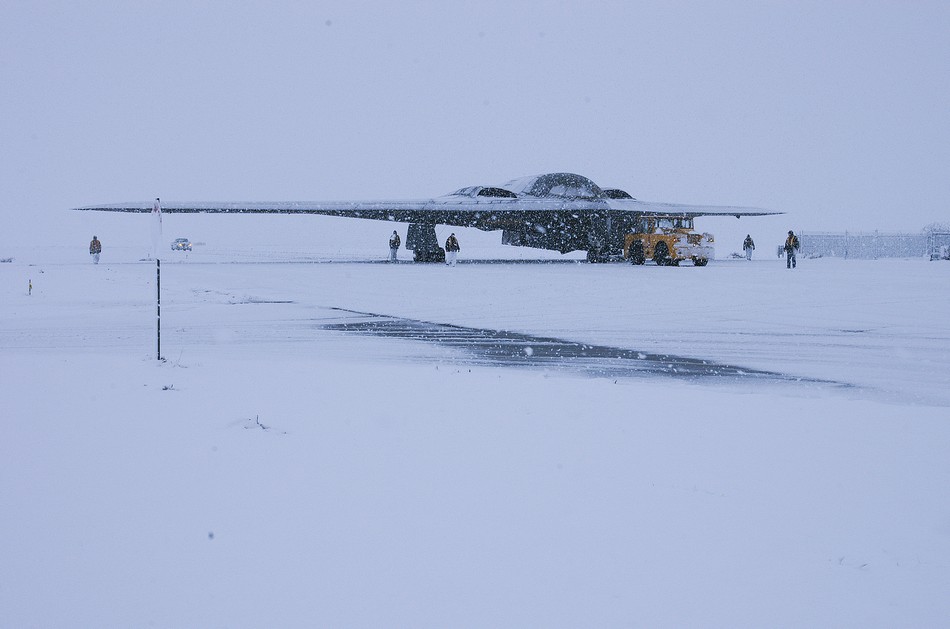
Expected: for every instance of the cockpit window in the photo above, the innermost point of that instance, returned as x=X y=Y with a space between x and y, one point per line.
x=497 y=192
x=569 y=192
x=479 y=191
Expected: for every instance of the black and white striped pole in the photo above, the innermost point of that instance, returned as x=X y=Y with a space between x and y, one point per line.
x=156 y=246
x=158 y=318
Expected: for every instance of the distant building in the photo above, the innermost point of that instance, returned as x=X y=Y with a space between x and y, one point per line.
x=866 y=245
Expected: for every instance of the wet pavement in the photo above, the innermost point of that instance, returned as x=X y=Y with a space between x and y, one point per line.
x=514 y=349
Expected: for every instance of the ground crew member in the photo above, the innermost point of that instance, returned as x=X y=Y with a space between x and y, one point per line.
x=393 y=246
x=95 y=248
x=451 y=249
x=748 y=246
x=791 y=246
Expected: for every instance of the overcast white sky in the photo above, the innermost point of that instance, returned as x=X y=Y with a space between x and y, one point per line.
x=835 y=112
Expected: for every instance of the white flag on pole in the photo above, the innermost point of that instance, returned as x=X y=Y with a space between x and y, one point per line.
x=157 y=228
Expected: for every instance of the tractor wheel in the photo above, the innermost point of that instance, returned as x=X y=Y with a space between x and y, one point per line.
x=635 y=253
x=661 y=254
x=595 y=256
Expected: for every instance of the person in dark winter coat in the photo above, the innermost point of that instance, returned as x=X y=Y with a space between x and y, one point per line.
x=451 y=249
x=748 y=246
x=393 y=246
x=95 y=248
x=791 y=246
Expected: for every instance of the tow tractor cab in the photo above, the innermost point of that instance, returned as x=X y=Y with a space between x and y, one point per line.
x=667 y=240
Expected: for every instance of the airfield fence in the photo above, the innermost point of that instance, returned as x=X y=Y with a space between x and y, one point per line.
x=869 y=245
x=939 y=245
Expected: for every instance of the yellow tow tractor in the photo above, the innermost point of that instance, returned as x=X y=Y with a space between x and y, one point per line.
x=667 y=240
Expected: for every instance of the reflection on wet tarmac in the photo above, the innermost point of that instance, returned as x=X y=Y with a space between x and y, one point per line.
x=504 y=348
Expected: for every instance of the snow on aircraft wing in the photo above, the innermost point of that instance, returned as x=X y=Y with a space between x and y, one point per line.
x=484 y=213
x=558 y=211
x=680 y=209
x=427 y=211
x=475 y=206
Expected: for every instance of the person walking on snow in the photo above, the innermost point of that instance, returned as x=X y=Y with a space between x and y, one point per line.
x=451 y=249
x=393 y=246
x=748 y=246
x=95 y=248
x=791 y=246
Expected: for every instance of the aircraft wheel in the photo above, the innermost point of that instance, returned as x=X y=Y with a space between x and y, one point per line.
x=421 y=255
x=700 y=261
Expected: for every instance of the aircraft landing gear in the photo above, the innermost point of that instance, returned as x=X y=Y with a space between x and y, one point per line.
x=436 y=255
x=422 y=240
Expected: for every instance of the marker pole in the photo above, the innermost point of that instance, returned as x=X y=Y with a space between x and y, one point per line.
x=158 y=321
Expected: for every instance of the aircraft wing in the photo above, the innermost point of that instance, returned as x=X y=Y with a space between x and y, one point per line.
x=459 y=212
x=557 y=211
x=380 y=210
x=679 y=209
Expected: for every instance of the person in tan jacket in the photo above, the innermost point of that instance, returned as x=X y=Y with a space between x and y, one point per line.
x=95 y=248
x=791 y=246
x=451 y=249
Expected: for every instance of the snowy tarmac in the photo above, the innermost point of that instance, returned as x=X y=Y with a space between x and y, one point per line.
x=507 y=444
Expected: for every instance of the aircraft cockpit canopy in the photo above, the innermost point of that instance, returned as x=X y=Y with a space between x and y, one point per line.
x=561 y=185
x=549 y=186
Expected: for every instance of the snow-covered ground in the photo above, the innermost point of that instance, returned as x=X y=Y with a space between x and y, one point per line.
x=274 y=470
